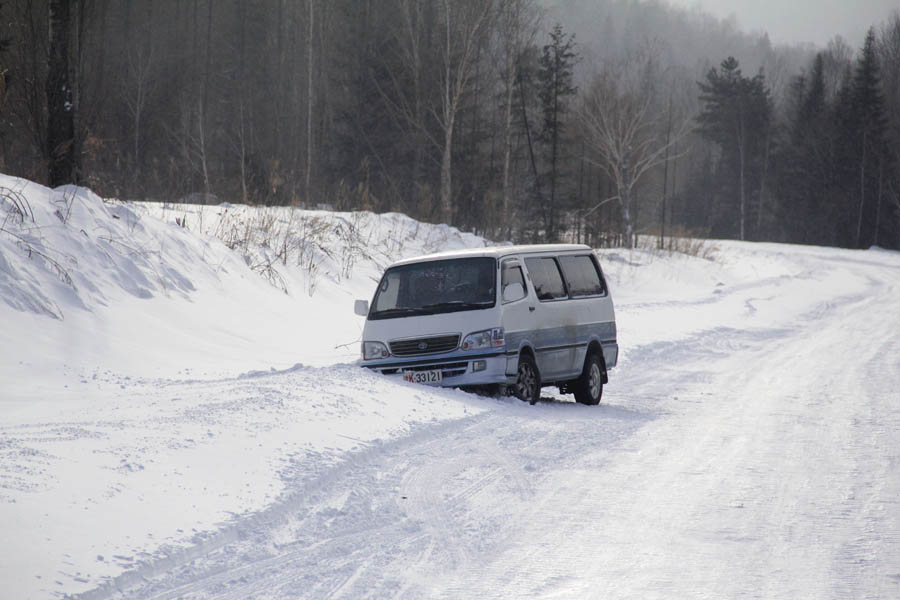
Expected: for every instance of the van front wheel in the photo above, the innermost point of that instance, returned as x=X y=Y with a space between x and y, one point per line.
x=589 y=387
x=528 y=380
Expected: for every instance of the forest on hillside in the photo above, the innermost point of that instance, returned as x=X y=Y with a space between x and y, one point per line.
x=594 y=121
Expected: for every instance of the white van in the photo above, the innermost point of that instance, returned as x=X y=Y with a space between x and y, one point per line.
x=517 y=317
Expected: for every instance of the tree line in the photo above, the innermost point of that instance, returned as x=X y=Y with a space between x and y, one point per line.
x=487 y=114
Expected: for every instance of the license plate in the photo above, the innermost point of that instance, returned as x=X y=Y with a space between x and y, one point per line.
x=433 y=377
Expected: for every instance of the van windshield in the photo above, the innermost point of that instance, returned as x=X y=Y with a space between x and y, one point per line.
x=439 y=286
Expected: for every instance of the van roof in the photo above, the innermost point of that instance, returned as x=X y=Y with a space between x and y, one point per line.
x=495 y=252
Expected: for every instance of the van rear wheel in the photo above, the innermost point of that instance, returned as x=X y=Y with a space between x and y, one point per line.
x=589 y=387
x=528 y=380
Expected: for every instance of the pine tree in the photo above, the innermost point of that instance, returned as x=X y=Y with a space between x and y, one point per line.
x=556 y=88
x=888 y=211
x=868 y=135
x=805 y=191
x=860 y=151
x=736 y=116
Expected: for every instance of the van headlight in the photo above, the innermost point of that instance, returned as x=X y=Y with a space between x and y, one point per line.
x=372 y=350
x=479 y=340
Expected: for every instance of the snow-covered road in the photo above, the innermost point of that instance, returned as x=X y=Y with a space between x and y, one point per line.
x=747 y=446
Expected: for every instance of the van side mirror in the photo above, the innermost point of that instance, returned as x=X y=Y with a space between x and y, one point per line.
x=513 y=292
x=361 y=307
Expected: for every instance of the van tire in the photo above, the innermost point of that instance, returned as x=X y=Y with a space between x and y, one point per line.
x=588 y=387
x=528 y=380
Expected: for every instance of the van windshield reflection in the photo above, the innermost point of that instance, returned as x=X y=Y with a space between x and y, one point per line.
x=435 y=287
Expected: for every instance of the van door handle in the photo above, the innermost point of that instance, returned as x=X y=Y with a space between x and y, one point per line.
x=530 y=309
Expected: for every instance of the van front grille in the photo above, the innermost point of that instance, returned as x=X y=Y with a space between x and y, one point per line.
x=422 y=346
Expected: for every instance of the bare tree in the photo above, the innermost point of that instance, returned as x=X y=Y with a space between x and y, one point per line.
x=60 y=101
x=517 y=27
x=411 y=47
x=404 y=88
x=25 y=77
x=628 y=135
x=310 y=97
x=837 y=63
x=138 y=86
x=465 y=25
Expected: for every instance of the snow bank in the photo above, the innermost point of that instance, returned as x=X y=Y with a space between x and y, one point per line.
x=164 y=290
x=67 y=249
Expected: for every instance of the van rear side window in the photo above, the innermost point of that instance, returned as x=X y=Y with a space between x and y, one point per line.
x=546 y=278
x=582 y=276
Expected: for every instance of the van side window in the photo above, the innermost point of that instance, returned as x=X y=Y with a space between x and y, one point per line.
x=582 y=276
x=512 y=274
x=546 y=278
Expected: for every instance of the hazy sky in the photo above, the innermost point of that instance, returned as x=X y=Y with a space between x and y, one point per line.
x=795 y=21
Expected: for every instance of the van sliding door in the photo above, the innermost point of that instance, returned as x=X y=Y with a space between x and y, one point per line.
x=554 y=325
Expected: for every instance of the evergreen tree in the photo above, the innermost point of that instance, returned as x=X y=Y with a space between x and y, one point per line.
x=736 y=116
x=805 y=189
x=860 y=125
x=556 y=88
x=527 y=111
x=868 y=137
x=888 y=213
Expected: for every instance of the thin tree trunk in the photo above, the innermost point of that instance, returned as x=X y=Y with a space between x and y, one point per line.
x=662 y=216
x=674 y=179
x=309 y=103
x=136 y=139
x=762 y=183
x=741 y=184
x=244 y=195
x=626 y=216
x=208 y=70
x=862 y=190
x=554 y=145
x=449 y=116
x=60 y=109
x=414 y=25
x=880 y=193
x=511 y=66
x=578 y=219
x=280 y=74
x=528 y=134
x=446 y=182
x=76 y=77
x=201 y=132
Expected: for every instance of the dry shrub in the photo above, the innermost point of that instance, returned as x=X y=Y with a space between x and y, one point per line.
x=681 y=241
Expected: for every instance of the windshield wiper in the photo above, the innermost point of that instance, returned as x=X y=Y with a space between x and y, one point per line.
x=456 y=305
x=395 y=312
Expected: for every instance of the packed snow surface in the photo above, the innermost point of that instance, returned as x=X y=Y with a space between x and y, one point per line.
x=181 y=416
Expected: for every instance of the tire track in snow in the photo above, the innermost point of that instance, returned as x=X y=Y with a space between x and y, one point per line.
x=454 y=515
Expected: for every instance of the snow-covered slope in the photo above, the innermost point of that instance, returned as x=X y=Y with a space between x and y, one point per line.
x=180 y=416
x=131 y=290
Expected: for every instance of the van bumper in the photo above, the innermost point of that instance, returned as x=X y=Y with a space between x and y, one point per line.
x=457 y=369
